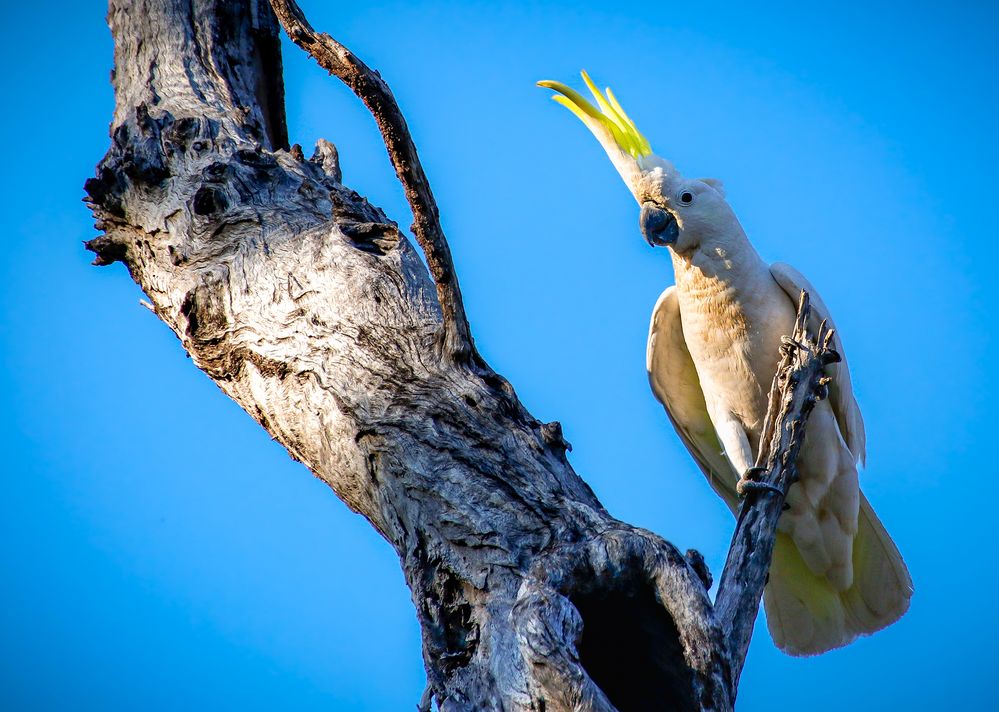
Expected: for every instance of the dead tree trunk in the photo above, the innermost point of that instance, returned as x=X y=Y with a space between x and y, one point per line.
x=309 y=308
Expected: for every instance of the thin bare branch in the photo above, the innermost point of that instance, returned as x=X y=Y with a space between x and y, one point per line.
x=799 y=383
x=370 y=88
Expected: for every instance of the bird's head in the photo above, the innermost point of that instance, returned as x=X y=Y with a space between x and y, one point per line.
x=675 y=211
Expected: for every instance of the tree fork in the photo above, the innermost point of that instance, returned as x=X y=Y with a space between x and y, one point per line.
x=310 y=308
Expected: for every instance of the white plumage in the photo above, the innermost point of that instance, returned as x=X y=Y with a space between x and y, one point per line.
x=712 y=352
x=836 y=573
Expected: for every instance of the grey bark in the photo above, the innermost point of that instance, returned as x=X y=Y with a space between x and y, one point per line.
x=309 y=307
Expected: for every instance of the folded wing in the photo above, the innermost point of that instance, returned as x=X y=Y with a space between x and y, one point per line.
x=675 y=384
x=851 y=422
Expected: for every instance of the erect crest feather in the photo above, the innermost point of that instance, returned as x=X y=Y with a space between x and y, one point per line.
x=609 y=119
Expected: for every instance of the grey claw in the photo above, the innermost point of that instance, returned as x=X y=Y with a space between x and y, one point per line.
x=746 y=486
x=750 y=482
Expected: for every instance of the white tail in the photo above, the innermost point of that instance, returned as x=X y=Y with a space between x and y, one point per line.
x=807 y=616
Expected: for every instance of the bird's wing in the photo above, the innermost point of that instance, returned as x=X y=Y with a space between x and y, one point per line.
x=675 y=384
x=851 y=422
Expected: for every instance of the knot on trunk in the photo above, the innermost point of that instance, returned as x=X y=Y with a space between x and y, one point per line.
x=552 y=434
x=327 y=157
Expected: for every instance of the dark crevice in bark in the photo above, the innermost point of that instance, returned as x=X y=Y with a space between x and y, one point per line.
x=452 y=634
x=268 y=71
x=630 y=646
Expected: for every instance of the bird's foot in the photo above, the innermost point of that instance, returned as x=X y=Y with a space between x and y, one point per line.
x=750 y=482
x=747 y=486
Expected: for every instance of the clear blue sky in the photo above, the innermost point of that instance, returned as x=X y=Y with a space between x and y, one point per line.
x=160 y=551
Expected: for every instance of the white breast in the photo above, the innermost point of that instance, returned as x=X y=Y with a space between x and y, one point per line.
x=733 y=323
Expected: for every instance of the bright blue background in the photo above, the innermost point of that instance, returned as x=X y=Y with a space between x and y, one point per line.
x=159 y=551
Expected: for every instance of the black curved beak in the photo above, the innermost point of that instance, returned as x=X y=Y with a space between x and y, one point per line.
x=659 y=227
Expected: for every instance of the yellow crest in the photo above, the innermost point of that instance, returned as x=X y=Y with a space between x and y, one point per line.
x=609 y=116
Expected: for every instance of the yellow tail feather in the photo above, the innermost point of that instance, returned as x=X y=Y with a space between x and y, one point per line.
x=806 y=615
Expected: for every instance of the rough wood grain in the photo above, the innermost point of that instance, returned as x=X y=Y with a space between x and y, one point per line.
x=309 y=307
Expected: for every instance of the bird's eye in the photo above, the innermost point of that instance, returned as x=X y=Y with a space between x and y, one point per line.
x=686 y=198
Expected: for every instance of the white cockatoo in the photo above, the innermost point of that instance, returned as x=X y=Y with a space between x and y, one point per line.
x=712 y=354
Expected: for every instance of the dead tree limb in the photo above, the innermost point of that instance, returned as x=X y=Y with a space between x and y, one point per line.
x=309 y=308
x=369 y=87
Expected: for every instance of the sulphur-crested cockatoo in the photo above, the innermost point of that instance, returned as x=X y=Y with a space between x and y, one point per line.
x=712 y=353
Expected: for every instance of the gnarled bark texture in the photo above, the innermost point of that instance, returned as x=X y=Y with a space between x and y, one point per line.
x=309 y=308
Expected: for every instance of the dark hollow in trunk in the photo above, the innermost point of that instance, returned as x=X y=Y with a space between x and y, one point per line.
x=630 y=646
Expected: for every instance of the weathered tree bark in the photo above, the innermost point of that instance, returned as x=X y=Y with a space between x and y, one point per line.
x=309 y=308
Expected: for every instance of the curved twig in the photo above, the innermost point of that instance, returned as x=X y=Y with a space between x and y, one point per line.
x=370 y=88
